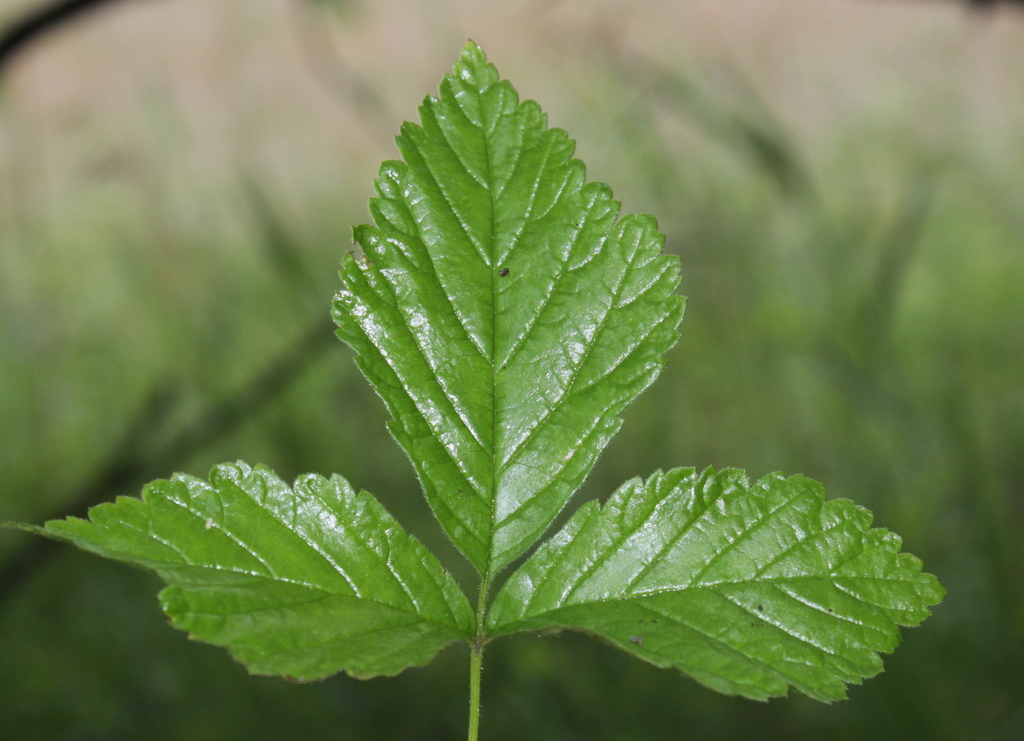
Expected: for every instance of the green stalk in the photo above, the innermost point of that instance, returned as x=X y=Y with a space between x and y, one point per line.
x=475 y=665
x=476 y=660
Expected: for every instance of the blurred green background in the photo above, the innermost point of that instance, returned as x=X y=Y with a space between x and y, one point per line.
x=841 y=178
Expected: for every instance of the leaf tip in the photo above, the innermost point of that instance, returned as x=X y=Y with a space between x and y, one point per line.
x=25 y=527
x=473 y=53
x=473 y=68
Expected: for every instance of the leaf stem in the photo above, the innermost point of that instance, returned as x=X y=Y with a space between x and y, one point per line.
x=476 y=660
x=476 y=663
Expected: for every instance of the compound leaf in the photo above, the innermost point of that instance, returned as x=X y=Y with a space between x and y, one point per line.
x=502 y=311
x=506 y=315
x=746 y=588
x=300 y=581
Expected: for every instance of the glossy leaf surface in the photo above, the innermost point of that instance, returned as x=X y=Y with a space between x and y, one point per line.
x=506 y=316
x=747 y=588
x=502 y=311
x=300 y=581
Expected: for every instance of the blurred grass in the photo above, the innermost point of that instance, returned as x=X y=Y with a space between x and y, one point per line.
x=855 y=314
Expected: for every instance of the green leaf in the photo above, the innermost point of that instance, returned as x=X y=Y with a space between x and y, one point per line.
x=302 y=582
x=502 y=311
x=506 y=315
x=746 y=588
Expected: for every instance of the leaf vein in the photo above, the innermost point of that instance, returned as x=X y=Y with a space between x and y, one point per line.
x=563 y=270
x=569 y=386
x=274 y=518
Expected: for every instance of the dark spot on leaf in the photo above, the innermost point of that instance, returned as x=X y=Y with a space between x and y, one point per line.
x=459 y=491
x=761 y=608
x=504 y=272
x=830 y=611
x=637 y=640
